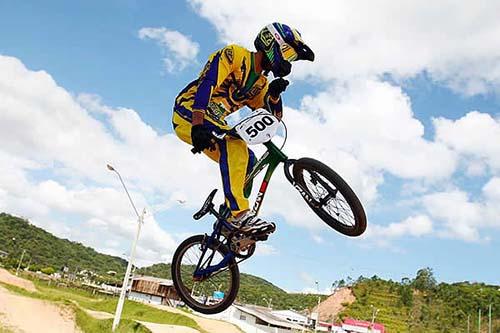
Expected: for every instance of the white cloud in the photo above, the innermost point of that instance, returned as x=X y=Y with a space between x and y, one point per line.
x=416 y=226
x=463 y=218
x=451 y=213
x=374 y=120
x=459 y=214
x=180 y=49
x=454 y=42
x=476 y=136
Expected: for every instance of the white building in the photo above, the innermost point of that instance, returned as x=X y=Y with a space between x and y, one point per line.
x=292 y=316
x=256 y=319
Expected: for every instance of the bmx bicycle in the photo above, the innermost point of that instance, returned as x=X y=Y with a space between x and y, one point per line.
x=205 y=267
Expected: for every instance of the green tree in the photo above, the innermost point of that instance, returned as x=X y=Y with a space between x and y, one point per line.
x=424 y=281
x=406 y=295
x=48 y=270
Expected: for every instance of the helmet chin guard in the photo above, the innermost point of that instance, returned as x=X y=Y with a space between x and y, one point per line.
x=281 y=69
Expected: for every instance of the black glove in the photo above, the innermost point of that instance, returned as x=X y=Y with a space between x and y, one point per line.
x=201 y=138
x=277 y=86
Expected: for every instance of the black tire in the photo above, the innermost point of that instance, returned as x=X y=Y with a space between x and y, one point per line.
x=306 y=171
x=182 y=276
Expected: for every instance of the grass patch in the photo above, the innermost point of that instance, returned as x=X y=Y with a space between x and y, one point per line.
x=91 y=325
x=24 y=292
x=139 y=311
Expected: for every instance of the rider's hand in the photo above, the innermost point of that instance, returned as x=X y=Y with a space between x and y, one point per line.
x=201 y=138
x=277 y=86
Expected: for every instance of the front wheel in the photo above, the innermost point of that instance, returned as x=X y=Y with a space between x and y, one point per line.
x=329 y=196
x=214 y=292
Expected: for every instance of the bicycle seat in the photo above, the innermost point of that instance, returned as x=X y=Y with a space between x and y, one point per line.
x=207 y=206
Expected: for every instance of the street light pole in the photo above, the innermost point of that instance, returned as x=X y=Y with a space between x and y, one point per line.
x=489 y=319
x=140 y=221
x=479 y=321
x=29 y=263
x=268 y=302
x=468 y=323
x=374 y=314
x=319 y=301
x=20 y=261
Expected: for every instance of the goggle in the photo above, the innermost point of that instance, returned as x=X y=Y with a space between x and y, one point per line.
x=288 y=52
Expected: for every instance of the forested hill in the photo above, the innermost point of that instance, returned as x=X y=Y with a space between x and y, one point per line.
x=46 y=250
x=423 y=305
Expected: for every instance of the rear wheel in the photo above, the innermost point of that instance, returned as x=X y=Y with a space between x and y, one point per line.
x=330 y=197
x=212 y=293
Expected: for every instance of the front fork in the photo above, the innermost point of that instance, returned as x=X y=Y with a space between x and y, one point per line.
x=303 y=192
x=204 y=267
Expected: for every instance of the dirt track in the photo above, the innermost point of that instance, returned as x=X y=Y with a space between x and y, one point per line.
x=31 y=315
x=13 y=280
x=25 y=314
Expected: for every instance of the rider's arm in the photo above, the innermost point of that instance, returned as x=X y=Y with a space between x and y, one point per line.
x=268 y=102
x=216 y=70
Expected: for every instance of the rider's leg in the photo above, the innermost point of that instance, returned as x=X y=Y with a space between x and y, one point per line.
x=236 y=161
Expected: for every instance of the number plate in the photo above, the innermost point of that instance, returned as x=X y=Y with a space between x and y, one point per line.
x=260 y=127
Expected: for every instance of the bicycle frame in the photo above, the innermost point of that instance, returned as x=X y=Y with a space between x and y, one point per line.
x=271 y=158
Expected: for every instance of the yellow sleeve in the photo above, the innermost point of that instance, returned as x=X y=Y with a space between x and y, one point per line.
x=218 y=67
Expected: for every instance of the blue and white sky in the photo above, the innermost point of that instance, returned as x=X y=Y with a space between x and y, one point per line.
x=402 y=101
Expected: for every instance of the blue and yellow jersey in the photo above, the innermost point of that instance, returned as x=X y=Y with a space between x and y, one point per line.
x=227 y=83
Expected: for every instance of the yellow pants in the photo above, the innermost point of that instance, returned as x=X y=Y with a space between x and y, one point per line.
x=235 y=159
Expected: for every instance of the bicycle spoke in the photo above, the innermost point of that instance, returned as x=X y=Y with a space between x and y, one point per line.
x=203 y=292
x=328 y=198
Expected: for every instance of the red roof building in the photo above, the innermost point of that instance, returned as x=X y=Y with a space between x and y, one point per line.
x=361 y=326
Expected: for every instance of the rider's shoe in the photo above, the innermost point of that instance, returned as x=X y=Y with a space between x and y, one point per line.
x=253 y=226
